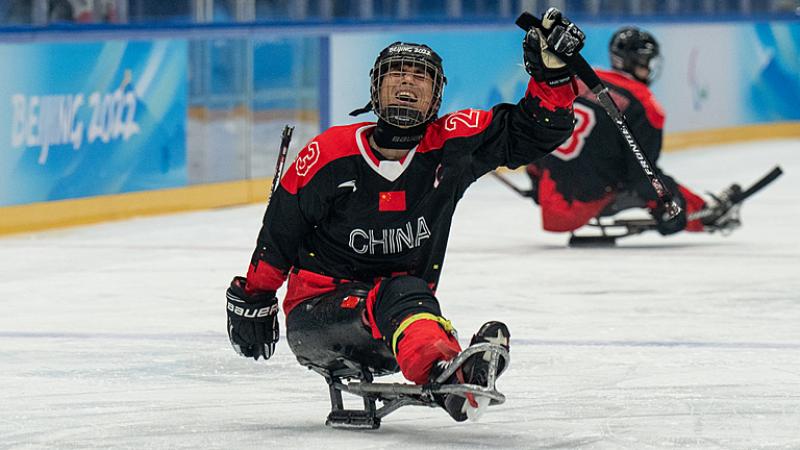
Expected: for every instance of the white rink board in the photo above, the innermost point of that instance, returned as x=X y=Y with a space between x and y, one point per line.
x=113 y=336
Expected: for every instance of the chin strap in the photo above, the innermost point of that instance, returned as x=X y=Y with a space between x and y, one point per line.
x=357 y=112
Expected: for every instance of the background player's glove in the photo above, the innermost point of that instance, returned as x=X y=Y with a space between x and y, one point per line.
x=252 y=321
x=542 y=47
x=667 y=226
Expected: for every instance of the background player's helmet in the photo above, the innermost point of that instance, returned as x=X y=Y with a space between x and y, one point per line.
x=630 y=48
x=401 y=56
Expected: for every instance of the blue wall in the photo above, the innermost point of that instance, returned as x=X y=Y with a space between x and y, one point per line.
x=104 y=110
x=746 y=73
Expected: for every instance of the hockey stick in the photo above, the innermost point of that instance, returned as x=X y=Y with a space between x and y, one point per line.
x=286 y=137
x=758 y=185
x=522 y=192
x=584 y=71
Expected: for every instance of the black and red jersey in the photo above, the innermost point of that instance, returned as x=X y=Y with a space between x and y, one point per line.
x=596 y=160
x=342 y=212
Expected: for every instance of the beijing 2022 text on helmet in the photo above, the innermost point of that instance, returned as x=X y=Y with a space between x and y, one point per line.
x=630 y=48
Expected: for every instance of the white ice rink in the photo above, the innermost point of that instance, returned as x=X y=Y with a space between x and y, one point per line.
x=113 y=336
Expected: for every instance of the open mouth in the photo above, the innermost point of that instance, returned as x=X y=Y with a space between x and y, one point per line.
x=406 y=97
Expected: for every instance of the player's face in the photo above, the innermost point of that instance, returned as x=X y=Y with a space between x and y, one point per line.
x=642 y=72
x=408 y=85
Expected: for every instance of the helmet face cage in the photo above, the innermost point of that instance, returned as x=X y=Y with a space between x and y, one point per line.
x=414 y=81
x=632 y=48
x=655 y=64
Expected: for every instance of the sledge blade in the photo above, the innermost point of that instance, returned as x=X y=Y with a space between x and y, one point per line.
x=592 y=241
x=353 y=418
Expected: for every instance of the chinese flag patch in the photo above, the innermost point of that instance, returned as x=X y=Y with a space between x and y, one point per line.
x=350 y=302
x=392 y=201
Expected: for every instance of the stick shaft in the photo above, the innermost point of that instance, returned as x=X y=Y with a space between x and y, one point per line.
x=511 y=185
x=286 y=138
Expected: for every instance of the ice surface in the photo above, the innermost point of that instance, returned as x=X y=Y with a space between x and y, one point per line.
x=113 y=336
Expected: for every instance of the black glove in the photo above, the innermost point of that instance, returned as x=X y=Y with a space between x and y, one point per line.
x=252 y=321
x=542 y=48
x=667 y=226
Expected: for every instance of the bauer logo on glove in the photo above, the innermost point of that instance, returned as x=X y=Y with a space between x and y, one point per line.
x=250 y=313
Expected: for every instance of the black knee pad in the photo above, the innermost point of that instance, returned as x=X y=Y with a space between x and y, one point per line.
x=330 y=332
x=400 y=297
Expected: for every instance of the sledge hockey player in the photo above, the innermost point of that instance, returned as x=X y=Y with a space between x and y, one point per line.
x=594 y=173
x=360 y=221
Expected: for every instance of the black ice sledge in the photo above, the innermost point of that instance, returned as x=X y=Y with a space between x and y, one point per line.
x=359 y=382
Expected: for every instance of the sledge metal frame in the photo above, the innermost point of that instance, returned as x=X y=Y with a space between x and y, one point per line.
x=396 y=395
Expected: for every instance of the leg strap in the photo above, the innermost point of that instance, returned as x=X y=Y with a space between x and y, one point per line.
x=448 y=327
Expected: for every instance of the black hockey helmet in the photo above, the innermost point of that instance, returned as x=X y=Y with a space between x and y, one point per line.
x=630 y=48
x=416 y=59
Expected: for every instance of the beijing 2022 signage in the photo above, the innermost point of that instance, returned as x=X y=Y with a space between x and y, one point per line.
x=86 y=119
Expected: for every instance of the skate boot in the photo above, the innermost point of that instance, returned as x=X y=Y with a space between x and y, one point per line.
x=475 y=371
x=723 y=213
